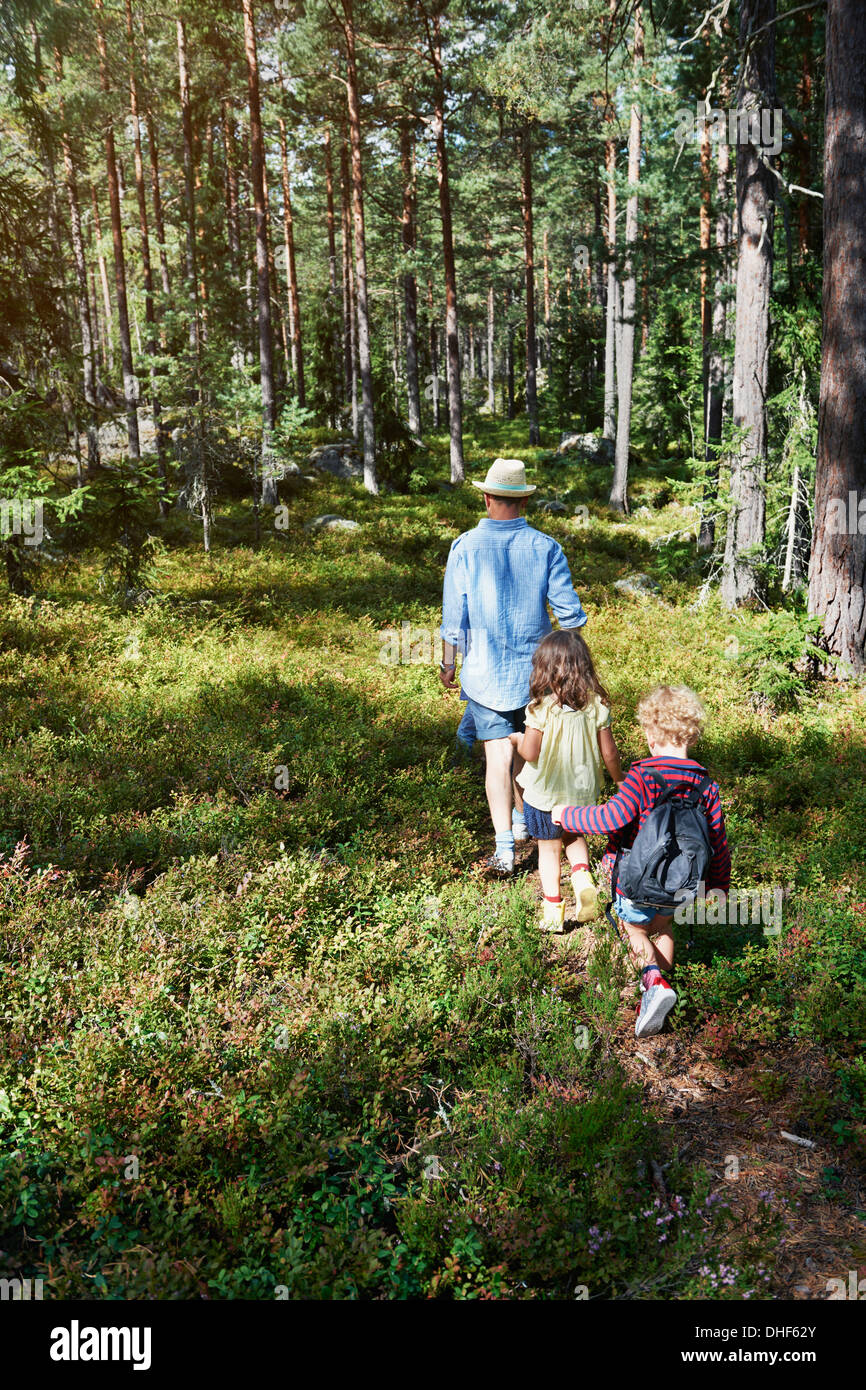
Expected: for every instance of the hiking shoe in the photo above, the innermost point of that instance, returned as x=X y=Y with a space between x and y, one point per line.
x=655 y=1005
x=585 y=895
x=496 y=864
x=552 y=916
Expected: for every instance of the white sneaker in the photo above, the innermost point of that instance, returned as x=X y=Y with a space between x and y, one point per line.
x=655 y=1005
x=500 y=864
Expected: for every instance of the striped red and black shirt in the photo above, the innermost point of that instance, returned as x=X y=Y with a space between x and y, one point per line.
x=622 y=816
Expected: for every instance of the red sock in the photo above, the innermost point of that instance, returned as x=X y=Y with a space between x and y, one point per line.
x=575 y=867
x=557 y=899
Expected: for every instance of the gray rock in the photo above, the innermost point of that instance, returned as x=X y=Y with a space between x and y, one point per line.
x=552 y=507
x=589 y=444
x=640 y=585
x=331 y=522
x=341 y=460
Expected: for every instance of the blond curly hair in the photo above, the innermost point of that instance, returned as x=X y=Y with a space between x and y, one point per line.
x=671 y=714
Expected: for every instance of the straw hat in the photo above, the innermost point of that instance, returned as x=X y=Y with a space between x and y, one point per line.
x=506 y=478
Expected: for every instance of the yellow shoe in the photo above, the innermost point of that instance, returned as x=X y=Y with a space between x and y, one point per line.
x=552 y=916
x=585 y=895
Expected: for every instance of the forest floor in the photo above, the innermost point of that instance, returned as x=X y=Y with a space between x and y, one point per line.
x=267 y=1028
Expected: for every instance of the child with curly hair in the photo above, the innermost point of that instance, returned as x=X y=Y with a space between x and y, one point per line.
x=672 y=718
x=566 y=742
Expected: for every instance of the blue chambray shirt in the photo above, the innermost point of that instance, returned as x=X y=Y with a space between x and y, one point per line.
x=499 y=580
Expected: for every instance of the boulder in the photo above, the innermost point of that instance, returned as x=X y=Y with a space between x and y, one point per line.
x=552 y=507
x=639 y=585
x=330 y=522
x=342 y=460
x=600 y=450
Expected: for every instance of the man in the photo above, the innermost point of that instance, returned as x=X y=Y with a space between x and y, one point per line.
x=499 y=580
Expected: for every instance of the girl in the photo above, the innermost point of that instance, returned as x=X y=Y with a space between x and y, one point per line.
x=567 y=738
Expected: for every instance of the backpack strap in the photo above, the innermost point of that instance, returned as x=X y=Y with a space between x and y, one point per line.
x=695 y=790
x=614 y=875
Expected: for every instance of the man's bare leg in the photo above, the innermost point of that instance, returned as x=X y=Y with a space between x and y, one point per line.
x=498 y=784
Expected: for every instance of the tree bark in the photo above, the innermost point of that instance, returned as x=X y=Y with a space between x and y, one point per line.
x=350 y=315
x=625 y=371
x=364 y=353
x=716 y=365
x=609 y=429
x=804 y=154
x=706 y=309
x=153 y=155
x=546 y=259
x=147 y=274
x=196 y=396
x=130 y=385
x=332 y=271
x=837 y=573
x=434 y=360
x=529 y=270
x=263 y=287
x=108 y=334
x=410 y=287
x=755 y=196
x=491 y=340
x=452 y=343
x=83 y=300
x=509 y=358
x=294 y=297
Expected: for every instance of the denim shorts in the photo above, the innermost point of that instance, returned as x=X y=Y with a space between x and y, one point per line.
x=494 y=723
x=539 y=823
x=638 y=914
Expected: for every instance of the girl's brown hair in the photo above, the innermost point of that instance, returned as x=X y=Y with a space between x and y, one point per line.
x=562 y=667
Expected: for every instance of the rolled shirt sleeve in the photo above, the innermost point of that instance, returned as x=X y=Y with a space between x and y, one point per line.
x=455 y=604
x=561 y=594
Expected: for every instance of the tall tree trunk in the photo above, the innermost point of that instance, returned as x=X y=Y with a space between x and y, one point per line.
x=452 y=343
x=625 y=366
x=202 y=165
x=130 y=385
x=434 y=360
x=755 y=198
x=294 y=298
x=108 y=335
x=98 y=335
x=279 y=333
x=84 y=322
x=232 y=212
x=837 y=573
x=610 y=387
x=546 y=259
x=332 y=272
x=491 y=339
x=509 y=358
x=147 y=275
x=196 y=394
x=263 y=288
x=706 y=308
x=529 y=269
x=716 y=366
x=350 y=312
x=804 y=154
x=364 y=354
x=410 y=288
x=153 y=154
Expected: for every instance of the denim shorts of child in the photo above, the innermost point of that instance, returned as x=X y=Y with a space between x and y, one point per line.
x=539 y=824
x=637 y=914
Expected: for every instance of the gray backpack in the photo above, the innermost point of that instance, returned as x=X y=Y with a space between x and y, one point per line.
x=669 y=858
